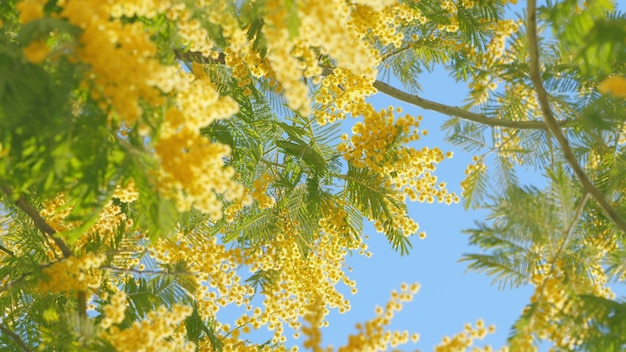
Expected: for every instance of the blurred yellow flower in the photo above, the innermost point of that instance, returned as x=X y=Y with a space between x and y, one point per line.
x=36 y=51
x=615 y=86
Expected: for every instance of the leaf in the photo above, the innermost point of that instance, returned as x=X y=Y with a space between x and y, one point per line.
x=475 y=187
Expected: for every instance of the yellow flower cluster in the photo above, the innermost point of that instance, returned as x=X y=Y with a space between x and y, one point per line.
x=314 y=317
x=463 y=340
x=615 y=86
x=604 y=241
x=126 y=194
x=73 y=274
x=121 y=56
x=259 y=192
x=335 y=221
x=192 y=172
x=294 y=277
x=343 y=92
x=230 y=213
x=37 y=51
x=56 y=211
x=114 y=310
x=298 y=276
x=190 y=29
x=215 y=268
x=124 y=72
x=373 y=335
x=284 y=65
x=192 y=168
x=373 y=145
x=161 y=330
x=382 y=21
x=324 y=26
x=372 y=140
x=30 y=10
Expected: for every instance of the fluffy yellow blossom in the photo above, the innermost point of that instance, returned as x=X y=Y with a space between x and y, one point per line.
x=107 y=224
x=159 y=331
x=114 y=311
x=259 y=192
x=36 y=51
x=615 y=86
x=193 y=172
x=127 y=194
x=30 y=10
x=73 y=274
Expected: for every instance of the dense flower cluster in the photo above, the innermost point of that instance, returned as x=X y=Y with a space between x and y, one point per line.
x=114 y=311
x=58 y=209
x=73 y=274
x=161 y=330
x=120 y=55
x=383 y=22
x=259 y=192
x=291 y=277
x=125 y=73
x=192 y=167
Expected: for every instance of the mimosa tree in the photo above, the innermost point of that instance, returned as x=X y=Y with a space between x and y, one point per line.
x=161 y=161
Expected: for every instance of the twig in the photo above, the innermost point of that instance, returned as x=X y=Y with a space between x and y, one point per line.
x=147 y=272
x=456 y=111
x=18 y=340
x=42 y=225
x=40 y=222
x=552 y=124
x=196 y=56
x=7 y=251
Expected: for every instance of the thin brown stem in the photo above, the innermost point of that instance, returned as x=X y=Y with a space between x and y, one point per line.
x=44 y=227
x=552 y=124
x=7 y=251
x=456 y=111
x=147 y=272
x=39 y=222
x=196 y=56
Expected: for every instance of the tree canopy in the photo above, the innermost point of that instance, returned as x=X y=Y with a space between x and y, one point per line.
x=163 y=161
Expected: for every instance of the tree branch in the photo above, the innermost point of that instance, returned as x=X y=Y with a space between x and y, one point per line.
x=7 y=251
x=18 y=340
x=39 y=222
x=196 y=56
x=147 y=272
x=456 y=111
x=552 y=124
x=42 y=225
